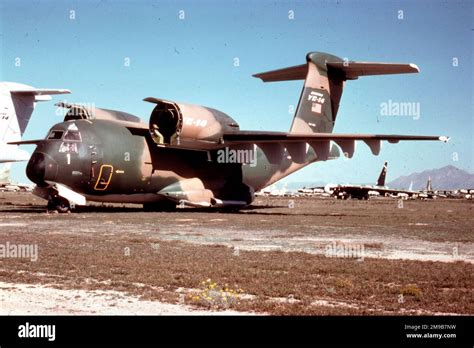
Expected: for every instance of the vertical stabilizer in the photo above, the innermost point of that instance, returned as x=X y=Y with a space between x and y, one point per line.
x=429 y=187
x=383 y=174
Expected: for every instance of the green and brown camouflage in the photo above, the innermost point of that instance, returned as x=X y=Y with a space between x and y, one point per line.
x=195 y=155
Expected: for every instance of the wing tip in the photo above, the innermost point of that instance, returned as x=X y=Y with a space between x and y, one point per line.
x=414 y=67
x=444 y=138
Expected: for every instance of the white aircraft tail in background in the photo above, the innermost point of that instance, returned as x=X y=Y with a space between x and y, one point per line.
x=17 y=102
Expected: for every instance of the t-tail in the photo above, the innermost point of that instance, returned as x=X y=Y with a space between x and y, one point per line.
x=383 y=174
x=17 y=102
x=325 y=76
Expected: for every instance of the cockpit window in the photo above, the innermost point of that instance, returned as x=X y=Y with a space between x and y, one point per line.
x=73 y=135
x=55 y=135
x=68 y=147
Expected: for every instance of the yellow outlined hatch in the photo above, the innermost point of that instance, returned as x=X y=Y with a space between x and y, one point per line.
x=105 y=175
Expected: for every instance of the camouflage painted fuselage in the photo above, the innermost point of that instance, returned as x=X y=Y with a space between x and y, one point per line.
x=106 y=162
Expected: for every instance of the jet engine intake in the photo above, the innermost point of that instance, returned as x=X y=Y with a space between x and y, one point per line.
x=170 y=122
x=166 y=123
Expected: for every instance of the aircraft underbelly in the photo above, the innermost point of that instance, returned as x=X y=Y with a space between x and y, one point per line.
x=135 y=198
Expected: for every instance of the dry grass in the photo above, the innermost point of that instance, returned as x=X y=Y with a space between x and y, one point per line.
x=281 y=283
x=411 y=290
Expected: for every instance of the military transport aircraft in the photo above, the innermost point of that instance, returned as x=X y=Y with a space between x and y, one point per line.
x=197 y=156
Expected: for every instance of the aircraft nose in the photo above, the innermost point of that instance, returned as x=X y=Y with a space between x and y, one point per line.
x=41 y=168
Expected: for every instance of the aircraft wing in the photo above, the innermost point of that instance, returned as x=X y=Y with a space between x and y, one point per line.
x=261 y=137
x=365 y=189
x=296 y=143
x=319 y=140
x=389 y=190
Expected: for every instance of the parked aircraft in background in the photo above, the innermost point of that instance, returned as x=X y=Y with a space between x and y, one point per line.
x=363 y=191
x=6 y=185
x=366 y=191
x=17 y=102
x=429 y=193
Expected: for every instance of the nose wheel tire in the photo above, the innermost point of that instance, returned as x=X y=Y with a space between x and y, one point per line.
x=60 y=204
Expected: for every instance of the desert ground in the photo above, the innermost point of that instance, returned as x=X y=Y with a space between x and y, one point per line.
x=281 y=256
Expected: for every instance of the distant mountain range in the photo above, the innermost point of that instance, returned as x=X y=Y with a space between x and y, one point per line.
x=445 y=178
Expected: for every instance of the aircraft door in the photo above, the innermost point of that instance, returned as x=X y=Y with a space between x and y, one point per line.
x=100 y=173
x=104 y=178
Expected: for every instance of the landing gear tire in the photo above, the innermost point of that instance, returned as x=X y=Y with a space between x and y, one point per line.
x=61 y=205
x=162 y=206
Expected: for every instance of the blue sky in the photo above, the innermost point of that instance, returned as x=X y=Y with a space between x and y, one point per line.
x=192 y=60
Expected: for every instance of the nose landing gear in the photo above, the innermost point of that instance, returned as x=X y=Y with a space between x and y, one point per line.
x=59 y=204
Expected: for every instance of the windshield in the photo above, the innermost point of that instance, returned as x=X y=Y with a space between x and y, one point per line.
x=73 y=135
x=55 y=135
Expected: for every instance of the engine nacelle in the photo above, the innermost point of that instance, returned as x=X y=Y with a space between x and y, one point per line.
x=171 y=121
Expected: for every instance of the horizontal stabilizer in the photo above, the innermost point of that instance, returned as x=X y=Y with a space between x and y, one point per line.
x=286 y=74
x=40 y=91
x=39 y=94
x=347 y=70
x=353 y=70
